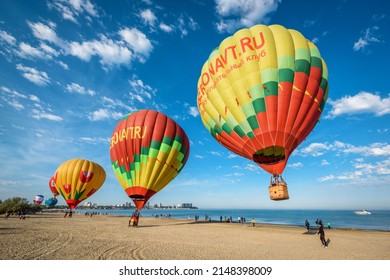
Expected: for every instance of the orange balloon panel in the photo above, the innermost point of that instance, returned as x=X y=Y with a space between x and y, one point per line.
x=261 y=92
x=78 y=179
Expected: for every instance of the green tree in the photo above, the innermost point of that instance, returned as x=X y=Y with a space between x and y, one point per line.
x=18 y=204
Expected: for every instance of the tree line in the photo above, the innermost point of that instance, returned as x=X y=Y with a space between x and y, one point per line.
x=19 y=205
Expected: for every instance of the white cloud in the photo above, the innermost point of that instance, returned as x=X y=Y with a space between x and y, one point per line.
x=37 y=114
x=37 y=77
x=367 y=38
x=84 y=51
x=45 y=32
x=34 y=98
x=193 y=111
x=148 y=17
x=109 y=51
x=71 y=10
x=104 y=114
x=315 y=149
x=13 y=92
x=25 y=50
x=63 y=65
x=376 y=149
x=14 y=103
x=251 y=167
x=363 y=102
x=166 y=28
x=73 y=87
x=94 y=140
x=324 y=162
x=364 y=172
x=296 y=165
x=137 y=41
x=133 y=44
x=186 y=23
x=372 y=150
x=116 y=104
x=7 y=38
x=235 y=14
x=139 y=91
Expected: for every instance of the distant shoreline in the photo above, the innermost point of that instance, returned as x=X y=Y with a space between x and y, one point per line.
x=83 y=211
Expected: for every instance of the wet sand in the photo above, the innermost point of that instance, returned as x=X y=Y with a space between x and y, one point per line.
x=50 y=236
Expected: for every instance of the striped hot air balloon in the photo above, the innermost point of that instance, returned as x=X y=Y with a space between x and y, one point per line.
x=147 y=150
x=260 y=94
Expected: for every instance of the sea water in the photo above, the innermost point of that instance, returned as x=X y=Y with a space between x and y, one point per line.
x=378 y=220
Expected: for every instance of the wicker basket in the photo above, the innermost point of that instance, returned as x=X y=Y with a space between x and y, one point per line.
x=278 y=191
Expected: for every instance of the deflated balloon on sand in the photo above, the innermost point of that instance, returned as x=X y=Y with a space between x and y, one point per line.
x=147 y=150
x=261 y=92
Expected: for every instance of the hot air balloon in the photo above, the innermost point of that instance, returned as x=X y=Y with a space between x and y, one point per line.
x=147 y=150
x=38 y=199
x=51 y=202
x=52 y=186
x=260 y=94
x=77 y=179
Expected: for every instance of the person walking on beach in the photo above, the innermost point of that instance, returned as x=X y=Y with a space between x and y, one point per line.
x=321 y=232
x=328 y=225
x=307 y=224
x=253 y=222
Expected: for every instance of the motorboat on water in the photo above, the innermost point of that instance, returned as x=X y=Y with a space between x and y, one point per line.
x=362 y=212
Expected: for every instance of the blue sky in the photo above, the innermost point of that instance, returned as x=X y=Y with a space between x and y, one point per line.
x=71 y=69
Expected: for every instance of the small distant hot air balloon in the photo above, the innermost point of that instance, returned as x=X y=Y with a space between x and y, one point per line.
x=52 y=186
x=77 y=179
x=147 y=150
x=38 y=199
x=51 y=202
x=260 y=94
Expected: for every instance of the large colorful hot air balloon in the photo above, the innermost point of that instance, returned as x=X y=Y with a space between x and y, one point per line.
x=52 y=186
x=38 y=199
x=147 y=150
x=260 y=93
x=77 y=179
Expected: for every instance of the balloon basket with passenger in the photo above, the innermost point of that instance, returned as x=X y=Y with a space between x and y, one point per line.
x=278 y=188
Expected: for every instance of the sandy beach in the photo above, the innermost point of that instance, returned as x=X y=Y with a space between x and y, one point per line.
x=50 y=236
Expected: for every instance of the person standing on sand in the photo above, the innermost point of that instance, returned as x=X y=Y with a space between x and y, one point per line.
x=307 y=224
x=321 y=232
x=253 y=222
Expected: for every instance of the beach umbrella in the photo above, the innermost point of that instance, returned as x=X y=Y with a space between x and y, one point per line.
x=51 y=202
x=148 y=150
x=260 y=94
x=38 y=199
x=77 y=179
x=52 y=186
